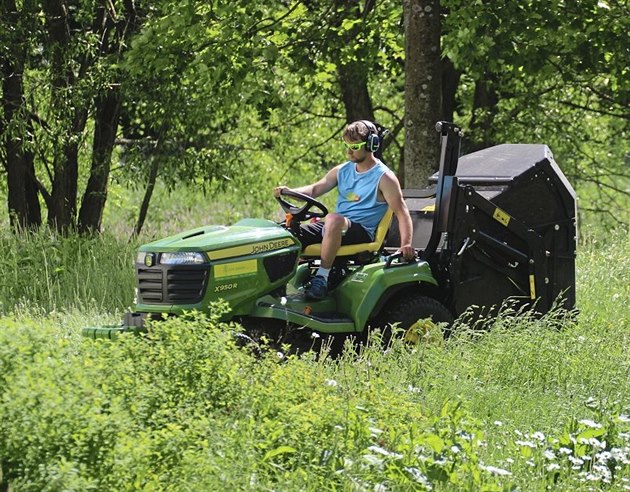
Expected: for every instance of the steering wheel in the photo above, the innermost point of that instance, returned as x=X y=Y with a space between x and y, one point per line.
x=304 y=212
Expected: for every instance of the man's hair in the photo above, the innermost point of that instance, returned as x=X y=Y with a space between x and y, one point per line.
x=359 y=130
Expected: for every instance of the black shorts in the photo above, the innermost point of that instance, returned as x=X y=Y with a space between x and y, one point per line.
x=312 y=233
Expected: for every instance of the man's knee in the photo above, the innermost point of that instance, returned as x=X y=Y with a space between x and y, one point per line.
x=335 y=224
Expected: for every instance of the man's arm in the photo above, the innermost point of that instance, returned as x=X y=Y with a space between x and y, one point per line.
x=318 y=188
x=390 y=188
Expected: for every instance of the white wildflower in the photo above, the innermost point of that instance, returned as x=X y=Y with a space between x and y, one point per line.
x=494 y=470
x=375 y=431
x=596 y=443
x=419 y=477
x=576 y=461
x=620 y=455
x=527 y=444
x=455 y=449
x=591 y=402
x=370 y=459
x=553 y=466
x=465 y=435
x=531 y=463
x=330 y=382
x=564 y=450
x=603 y=472
x=539 y=436
x=623 y=418
x=603 y=457
x=590 y=423
x=384 y=452
x=498 y=423
x=549 y=454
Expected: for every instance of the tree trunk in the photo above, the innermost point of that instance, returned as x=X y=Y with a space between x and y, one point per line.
x=450 y=83
x=62 y=213
x=108 y=108
x=22 y=200
x=484 y=112
x=353 y=76
x=422 y=90
x=95 y=196
x=144 y=208
x=353 y=80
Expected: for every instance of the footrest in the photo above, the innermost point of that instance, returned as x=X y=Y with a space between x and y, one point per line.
x=109 y=332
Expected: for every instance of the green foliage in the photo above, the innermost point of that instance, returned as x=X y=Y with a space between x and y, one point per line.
x=559 y=72
x=530 y=403
x=47 y=271
x=184 y=405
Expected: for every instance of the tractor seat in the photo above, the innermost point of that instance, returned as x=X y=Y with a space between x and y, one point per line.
x=355 y=249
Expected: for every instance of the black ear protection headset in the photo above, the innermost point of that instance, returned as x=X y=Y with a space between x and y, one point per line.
x=372 y=141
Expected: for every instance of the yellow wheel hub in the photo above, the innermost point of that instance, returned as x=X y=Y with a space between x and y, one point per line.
x=423 y=331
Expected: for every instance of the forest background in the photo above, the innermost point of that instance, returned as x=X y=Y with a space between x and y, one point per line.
x=229 y=95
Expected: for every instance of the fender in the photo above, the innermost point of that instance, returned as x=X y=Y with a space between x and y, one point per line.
x=359 y=294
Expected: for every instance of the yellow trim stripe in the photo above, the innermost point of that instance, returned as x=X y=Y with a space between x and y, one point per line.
x=501 y=216
x=250 y=249
x=532 y=287
x=247 y=267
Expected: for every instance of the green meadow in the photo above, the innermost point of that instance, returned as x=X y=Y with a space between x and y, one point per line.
x=524 y=404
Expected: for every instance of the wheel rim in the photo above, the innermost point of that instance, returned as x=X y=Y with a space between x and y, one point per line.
x=422 y=331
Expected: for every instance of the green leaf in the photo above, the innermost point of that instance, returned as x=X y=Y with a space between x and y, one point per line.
x=278 y=451
x=436 y=442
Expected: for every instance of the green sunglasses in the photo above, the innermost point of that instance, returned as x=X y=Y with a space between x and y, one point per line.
x=354 y=146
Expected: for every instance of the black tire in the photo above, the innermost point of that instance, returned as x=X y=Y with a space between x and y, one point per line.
x=404 y=313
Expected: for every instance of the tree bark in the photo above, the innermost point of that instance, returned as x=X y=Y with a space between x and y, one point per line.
x=484 y=112
x=353 y=76
x=62 y=213
x=144 y=208
x=105 y=128
x=422 y=90
x=22 y=199
x=450 y=83
x=108 y=110
x=353 y=79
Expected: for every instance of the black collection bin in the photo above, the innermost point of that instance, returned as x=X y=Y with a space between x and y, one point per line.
x=512 y=230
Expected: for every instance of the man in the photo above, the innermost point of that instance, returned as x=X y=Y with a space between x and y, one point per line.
x=367 y=187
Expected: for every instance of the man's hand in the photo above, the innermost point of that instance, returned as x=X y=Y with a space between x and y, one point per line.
x=408 y=252
x=278 y=189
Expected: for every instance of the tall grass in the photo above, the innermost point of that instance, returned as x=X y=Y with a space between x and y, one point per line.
x=45 y=272
x=529 y=404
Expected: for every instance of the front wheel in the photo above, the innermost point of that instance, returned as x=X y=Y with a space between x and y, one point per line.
x=415 y=319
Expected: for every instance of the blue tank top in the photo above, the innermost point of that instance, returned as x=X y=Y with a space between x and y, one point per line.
x=358 y=195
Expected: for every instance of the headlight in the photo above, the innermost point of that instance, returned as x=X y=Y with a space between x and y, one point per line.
x=183 y=258
x=140 y=258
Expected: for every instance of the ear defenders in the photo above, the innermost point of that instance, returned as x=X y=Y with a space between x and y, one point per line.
x=372 y=141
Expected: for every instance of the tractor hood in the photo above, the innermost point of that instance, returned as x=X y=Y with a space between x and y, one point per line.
x=246 y=237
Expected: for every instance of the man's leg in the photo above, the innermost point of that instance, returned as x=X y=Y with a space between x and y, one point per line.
x=334 y=228
x=336 y=225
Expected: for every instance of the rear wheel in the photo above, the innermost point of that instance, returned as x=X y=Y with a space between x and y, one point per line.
x=416 y=319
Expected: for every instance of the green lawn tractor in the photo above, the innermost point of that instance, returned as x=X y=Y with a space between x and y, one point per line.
x=493 y=225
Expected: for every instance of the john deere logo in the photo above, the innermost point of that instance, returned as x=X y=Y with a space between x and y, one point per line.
x=149 y=259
